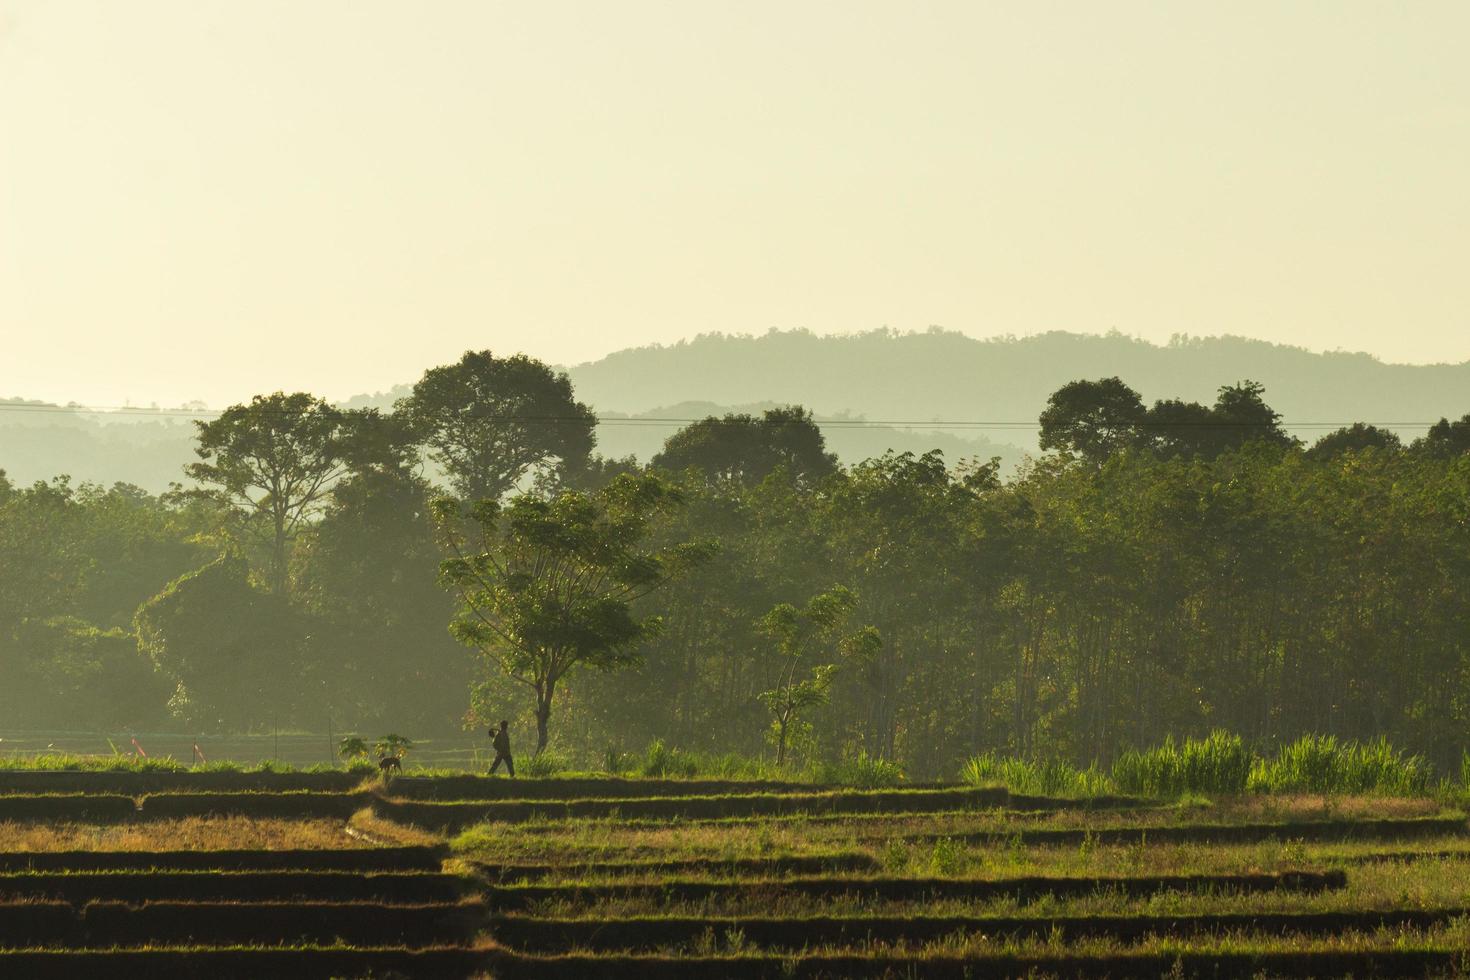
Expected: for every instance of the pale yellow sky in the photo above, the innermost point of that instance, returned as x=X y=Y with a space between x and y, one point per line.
x=210 y=198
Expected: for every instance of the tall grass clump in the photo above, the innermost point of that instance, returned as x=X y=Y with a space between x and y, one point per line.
x=1054 y=777
x=62 y=762
x=1219 y=763
x=663 y=762
x=1322 y=764
x=863 y=771
x=545 y=764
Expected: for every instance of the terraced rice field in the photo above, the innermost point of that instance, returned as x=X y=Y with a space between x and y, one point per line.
x=289 y=875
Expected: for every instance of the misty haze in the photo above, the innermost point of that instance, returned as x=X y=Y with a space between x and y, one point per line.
x=710 y=490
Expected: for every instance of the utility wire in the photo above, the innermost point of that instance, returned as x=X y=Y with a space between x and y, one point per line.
x=613 y=420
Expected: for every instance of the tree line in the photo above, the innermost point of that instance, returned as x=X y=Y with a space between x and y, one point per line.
x=1159 y=570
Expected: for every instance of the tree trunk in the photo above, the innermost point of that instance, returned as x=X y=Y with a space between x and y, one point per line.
x=544 y=694
x=278 y=555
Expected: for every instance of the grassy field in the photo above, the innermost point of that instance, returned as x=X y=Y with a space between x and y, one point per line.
x=235 y=875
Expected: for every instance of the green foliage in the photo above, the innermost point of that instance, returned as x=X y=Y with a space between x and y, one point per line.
x=862 y=770
x=1053 y=777
x=226 y=648
x=543 y=765
x=92 y=763
x=393 y=744
x=1218 y=763
x=799 y=634
x=548 y=585
x=352 y=748
x=662 y=762
x=1322 y=764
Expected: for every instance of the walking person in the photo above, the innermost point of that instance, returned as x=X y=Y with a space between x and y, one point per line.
x=501 y=740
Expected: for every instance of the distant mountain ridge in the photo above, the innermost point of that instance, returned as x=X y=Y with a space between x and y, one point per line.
x=883 y=376
x=941 y=375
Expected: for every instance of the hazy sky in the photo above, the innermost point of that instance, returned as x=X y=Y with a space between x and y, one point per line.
x=210 y=198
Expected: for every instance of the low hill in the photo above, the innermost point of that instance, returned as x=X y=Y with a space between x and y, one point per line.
x=996 y=388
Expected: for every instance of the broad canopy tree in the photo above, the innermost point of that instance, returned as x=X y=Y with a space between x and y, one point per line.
x=1096 y=420
x=1093 y=419
x=277 y=460
x=548 y=585
x=488 y=421
x=746 y=449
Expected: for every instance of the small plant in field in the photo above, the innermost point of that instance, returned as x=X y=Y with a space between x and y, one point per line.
x=735 y=941
x=946 y=857
x=615 y=763
x=393 y=745
x=896 y=856
x=352 y=748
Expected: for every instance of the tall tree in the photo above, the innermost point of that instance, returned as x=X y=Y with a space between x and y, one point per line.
x=1354 y=439
x=276 y=460
x=747 y=449
x=1445 y=438
x=548 y=585
x=1242 y=416
x=1093 y=419
x=489 y=420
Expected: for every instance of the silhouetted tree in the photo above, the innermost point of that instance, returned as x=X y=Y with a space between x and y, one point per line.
x=1445 y=439
x=1092 y=419
x=1353 y=439
x=489 y=420
x=749 y=449
x=277 y=459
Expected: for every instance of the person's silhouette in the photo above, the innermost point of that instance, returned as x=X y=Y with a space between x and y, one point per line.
x=501 y=740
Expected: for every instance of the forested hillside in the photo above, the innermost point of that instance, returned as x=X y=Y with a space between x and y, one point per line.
x=1164 y=568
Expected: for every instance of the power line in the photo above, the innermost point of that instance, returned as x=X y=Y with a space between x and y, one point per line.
x=614 y=420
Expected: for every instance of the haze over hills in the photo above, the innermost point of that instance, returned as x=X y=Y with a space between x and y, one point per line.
x=997 y=387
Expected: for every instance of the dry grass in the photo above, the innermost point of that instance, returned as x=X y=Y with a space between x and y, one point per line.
x=189 y=834
x=368 y=827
